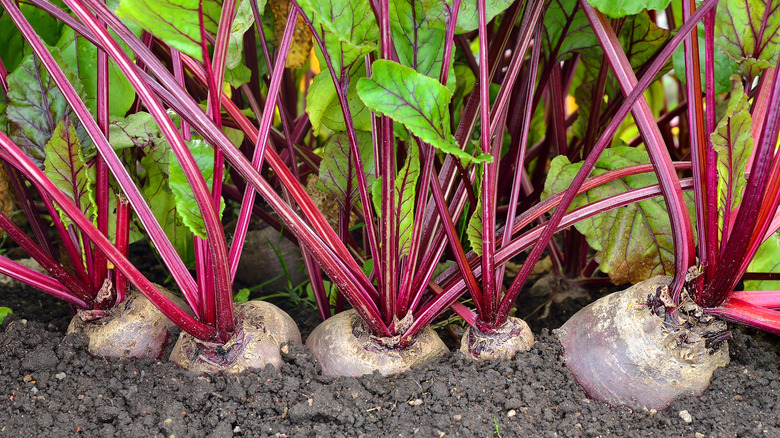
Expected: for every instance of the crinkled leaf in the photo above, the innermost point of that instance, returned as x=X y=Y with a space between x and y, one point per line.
x=417 y=102
x=66 y=168
x=349 y=29
x=36 y=106
x=302 y=38
x=767 y=259
x=406 y=191
x=241 y=24
x=177 y=22
x=337 y=169
x=323 y=107
x=733 y=143
x=749 y=32
x=236 y=73
x=566 y=30
x=621 y=8
x=137 y=130
x=724 y=65
x=186 y=206
x=641 y=38
x=633 y=243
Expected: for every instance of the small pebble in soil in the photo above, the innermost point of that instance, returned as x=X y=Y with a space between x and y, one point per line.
x=60 y=376
x=686 y=416
x=415 y=402
x=699 y=435
x=511 y=413
x=457 y=417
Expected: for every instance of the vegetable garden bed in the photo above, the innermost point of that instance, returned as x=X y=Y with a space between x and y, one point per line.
x=50 y=387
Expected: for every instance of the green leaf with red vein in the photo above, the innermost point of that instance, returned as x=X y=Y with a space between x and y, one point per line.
x=621 y=8
x=566 y=30
x=36 y=106
x=186 y=206
x=419 y=45
x=417 y=102
x=337 y=169
x=177 y=22
x=733 y=142
x=348 y=29
x=633 y=243
x=405 y=192
x=67 y=169
x=749 y=32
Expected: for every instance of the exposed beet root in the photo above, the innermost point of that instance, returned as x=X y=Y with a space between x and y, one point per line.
x=261 y=330
x=344 y=348
x=501 y=344
x=262 y=258
x=622 y=352
x=134 y=328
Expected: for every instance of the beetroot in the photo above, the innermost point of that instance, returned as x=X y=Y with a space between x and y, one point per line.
x=343 y=347
x=134 y=328
x=503 y=343
x=261 y=330
x=624 y=353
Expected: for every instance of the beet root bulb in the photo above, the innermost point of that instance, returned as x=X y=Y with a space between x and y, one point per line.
x=503 y=343
x=134 y=328
x=261 y=331
x=344 y=348
x=623 y=352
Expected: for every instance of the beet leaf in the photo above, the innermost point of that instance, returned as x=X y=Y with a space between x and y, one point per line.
x=417 y=102
x=749 y=32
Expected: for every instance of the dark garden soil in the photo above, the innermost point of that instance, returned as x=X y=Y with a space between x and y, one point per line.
x=49 y=387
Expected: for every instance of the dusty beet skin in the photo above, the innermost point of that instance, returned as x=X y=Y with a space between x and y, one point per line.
x=50 y=387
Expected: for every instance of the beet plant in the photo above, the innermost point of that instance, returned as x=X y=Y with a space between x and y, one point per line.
x=556 y=41
x=393 y=155
x=665 y=336
x=82 y=182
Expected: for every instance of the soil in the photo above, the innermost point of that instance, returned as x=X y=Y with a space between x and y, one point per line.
x=50 y=387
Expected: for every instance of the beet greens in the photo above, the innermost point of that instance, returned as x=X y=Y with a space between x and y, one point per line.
x=451 y=136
